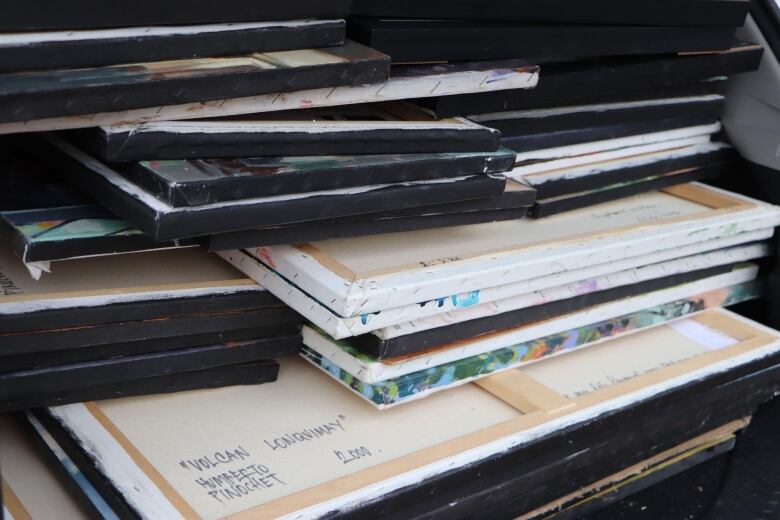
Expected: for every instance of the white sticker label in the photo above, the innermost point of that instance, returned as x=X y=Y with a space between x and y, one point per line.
x=710 y=338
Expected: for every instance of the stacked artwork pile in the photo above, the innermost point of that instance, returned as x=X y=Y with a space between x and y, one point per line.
x=394 y=321
x=147 y=323
x=175 y=318
x=437 y=352
x=650 y=126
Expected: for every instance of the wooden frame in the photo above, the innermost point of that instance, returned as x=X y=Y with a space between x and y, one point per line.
x=541 y=411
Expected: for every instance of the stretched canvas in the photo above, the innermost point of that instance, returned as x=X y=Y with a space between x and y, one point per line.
x=22 y=387
x=371 y=370
x=340 y=327
x=123 y=288
x=688 y=12
x=386 y=128
x=33 y=95
x=425 y=217
x=416 y=385
x=588 y=116
x=99 y=47
x=570 y=136
x=41 y=15
x=82 y=354
x=162 y=221
x=419 y=40
x=26 y=473
x=620 y=487
x=555 y=205
x=418 y=81
x=176 y=478
x=686 y=264
x=563 y=181
x=198 y=182
x=240 y=374
x=576 y=82
x=40 y=337
x=44 y=218
x=354 y=277
x=415 y=342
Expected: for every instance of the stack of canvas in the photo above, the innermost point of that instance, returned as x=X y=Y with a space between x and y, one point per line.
x=455 y=359
x=611 y=116
x=55 y=69
x=404 y=171
x=135 y=324
x=494 y=450
x=400 y=316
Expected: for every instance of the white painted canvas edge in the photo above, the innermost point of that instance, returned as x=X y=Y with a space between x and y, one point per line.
x=377 y=371
x=339 y=327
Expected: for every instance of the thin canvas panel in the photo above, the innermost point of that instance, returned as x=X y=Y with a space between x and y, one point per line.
x=30 y=488
x=416 y=40
x=688 y=12
x=372 y=370
x=96 y=48
x=176 y=478
x=405 y=82
x=58 y=93
x=407 y=268
x=351 y=130
x=340 y=327
x=416 y=385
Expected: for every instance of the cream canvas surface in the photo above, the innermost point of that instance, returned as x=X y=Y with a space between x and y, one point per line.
x=312 y=447
x=359 y=276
